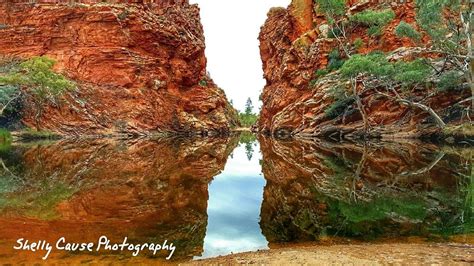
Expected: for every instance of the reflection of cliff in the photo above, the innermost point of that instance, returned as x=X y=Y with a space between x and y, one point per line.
x=324 y=189
x=145 y=190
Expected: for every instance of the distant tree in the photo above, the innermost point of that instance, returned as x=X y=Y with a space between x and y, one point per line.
x=248 y=118
x=249 y=107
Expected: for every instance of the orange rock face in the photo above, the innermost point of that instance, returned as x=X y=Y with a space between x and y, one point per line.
x=139 y=68
x=293 y=47
x=113 y=188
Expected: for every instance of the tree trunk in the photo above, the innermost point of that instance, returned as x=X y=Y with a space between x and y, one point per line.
x=360 y=106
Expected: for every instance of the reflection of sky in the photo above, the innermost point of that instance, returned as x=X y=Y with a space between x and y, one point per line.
x=235 y=197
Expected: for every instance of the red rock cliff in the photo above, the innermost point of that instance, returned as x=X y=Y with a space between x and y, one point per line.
x=294 y=43
x=140 y=68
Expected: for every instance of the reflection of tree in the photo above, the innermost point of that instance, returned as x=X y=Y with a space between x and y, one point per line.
x=249 y=150
x=364 y=191
x=249 y=140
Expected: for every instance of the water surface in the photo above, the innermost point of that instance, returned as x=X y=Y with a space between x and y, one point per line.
x=217 y=196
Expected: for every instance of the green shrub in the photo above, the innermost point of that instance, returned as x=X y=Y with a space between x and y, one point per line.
x=342 y=101
x=406 y=30
x=410 y=73
x=248 y=120
x=203 y=83
x=321 y=72
x=331 y=8
x=37 y=77
x=358 y=43
x=313 y=82
x=450 y=80
x=334 y=33
x=406 y=73
x=373 y=64
x=374 y=19
x=338 y=107
x=123 y=15
x=335 y=61
x=371 y=18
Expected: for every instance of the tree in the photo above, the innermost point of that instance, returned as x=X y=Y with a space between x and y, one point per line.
x=249 y=107
x=334 y=11
x=384 y=74
x=448 y=23
x=33 y=79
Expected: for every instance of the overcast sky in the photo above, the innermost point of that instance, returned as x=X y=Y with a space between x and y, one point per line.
x=231 y=28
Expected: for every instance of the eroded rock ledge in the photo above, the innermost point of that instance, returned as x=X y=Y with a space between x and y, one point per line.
x=140 y=68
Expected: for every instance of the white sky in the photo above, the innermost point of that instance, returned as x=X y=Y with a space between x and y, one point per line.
x=231 y=28
x=235 y=199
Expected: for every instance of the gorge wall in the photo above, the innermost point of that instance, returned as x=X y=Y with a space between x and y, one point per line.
x=139 y=66
x=295 y=43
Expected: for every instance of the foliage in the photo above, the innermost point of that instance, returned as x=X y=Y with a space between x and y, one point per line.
x=38 y=204
x=338 y=107
x=377 y=65
x=374 y=19
x=248 y=118
x=203 y=83
x=4 y=135
x=321 y=72
x=249 y=140
x=382 y=207
x=332 y=8
x=5 y=140
x=334 y=63
x=450 y=80
x=358 y=43
x=248 y=106
x=37 y=76
x=406 y=30
x=429 y=16
x=32 y=78
x=374 y=64
x=335 y=60
x=410 y=73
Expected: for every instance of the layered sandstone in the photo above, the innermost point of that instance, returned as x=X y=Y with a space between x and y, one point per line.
x=140 y=68
x=294 y=44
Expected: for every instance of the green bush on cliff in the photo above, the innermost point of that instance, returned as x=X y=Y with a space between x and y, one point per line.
x=375 y=64
x=411 y=73
x=406 y=30
x=374 y=19
x=450 y=80
x=331 y=8
x=32 y=78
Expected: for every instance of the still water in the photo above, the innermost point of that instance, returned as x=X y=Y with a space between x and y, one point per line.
x=218 y=196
